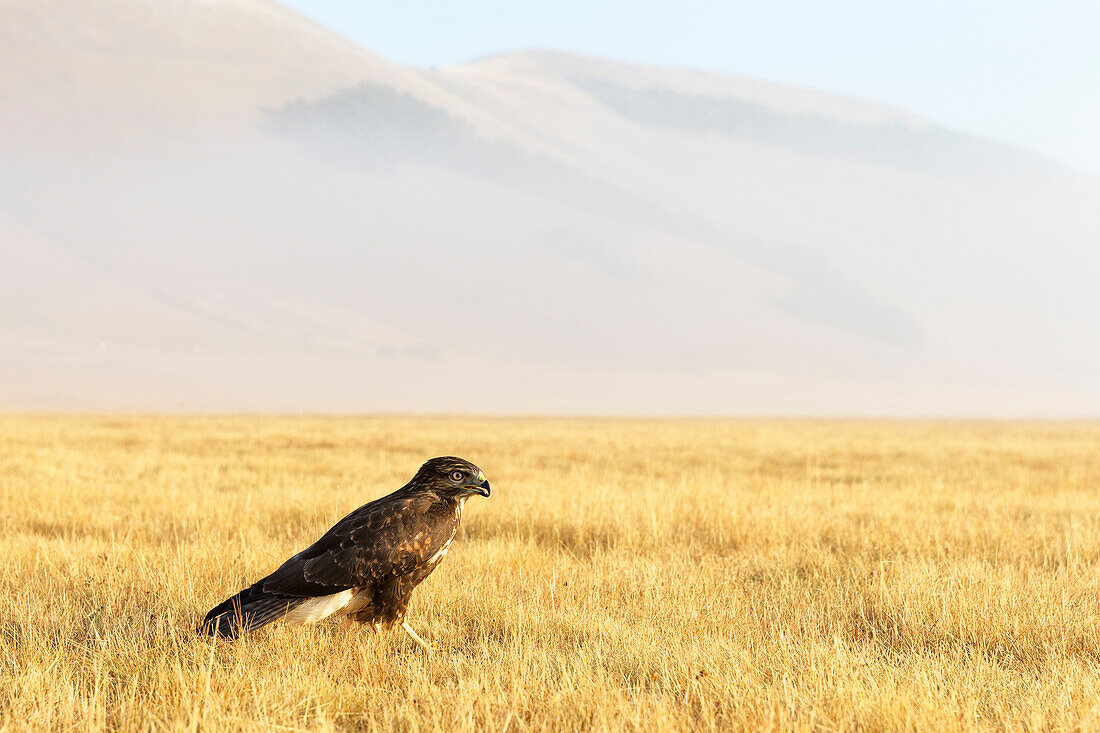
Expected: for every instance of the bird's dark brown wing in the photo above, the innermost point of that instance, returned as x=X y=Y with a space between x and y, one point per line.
x=385 y=538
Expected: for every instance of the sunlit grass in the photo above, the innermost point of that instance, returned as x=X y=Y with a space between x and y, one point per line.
x=624 y=574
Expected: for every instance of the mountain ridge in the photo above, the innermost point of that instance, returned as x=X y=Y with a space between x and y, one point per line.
x=314 y=228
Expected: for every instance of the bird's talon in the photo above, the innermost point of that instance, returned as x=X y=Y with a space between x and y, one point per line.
x=416 y=637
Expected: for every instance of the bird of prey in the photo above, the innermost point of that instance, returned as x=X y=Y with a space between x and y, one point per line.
x=368 y=564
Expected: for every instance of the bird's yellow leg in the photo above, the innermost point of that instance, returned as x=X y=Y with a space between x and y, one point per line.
x=415 y=637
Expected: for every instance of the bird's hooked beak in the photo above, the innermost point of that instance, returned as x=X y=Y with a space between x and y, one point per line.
x=482 y=486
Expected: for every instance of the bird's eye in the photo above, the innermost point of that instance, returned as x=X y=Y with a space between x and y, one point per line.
x=456 y=475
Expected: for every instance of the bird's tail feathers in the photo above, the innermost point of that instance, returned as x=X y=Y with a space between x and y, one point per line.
x=248 y=610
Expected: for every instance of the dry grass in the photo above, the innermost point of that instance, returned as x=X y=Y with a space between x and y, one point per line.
x=624 y=575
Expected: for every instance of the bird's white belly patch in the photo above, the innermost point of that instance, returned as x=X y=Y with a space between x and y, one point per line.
x=321 y=607
x=442 y=552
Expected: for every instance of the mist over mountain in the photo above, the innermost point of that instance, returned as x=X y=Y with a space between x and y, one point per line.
x=221 y=206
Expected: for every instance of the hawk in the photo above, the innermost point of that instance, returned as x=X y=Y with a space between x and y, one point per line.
x=368 y=564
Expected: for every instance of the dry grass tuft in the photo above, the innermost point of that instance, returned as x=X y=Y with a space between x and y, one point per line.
x=624 y=575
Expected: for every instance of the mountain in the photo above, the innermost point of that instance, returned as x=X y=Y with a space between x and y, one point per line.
x=218 y=205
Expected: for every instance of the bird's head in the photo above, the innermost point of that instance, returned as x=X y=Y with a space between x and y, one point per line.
x=451 y=476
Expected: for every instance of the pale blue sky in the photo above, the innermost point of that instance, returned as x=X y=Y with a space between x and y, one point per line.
x=1020 y=72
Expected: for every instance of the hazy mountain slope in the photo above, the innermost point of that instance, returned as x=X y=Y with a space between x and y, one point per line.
x=123 y=73
x=120 y=67
x=919 y=235
x=315 y=228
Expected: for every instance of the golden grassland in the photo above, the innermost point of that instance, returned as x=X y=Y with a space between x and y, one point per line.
x=625 y=574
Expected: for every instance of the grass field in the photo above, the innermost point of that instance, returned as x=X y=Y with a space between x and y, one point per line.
x=624 y=575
